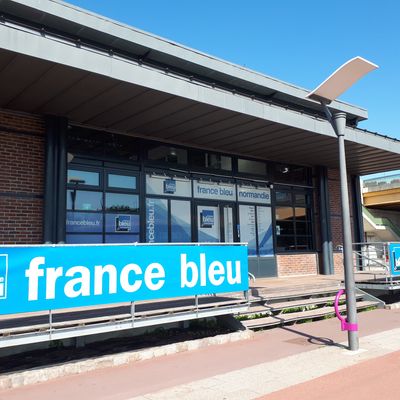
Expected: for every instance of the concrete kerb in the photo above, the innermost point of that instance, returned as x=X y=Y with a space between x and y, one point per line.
x=37 y=375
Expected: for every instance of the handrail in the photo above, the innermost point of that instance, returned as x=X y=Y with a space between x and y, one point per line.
x=251 y=277
x=371 y=259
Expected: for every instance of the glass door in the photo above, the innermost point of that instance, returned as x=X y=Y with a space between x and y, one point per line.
x=215 y=222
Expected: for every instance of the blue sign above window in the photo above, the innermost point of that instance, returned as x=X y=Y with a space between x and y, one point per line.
x=169 y=186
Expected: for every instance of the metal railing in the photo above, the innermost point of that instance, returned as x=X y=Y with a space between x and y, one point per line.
x=381 y=183
x=372 y=258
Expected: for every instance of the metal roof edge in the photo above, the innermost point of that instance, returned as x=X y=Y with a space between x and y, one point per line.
x=373 y=139
x=108 y=27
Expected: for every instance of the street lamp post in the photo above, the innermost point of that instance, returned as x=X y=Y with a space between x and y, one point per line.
x=337 y=83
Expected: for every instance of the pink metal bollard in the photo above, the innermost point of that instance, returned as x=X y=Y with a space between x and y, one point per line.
x=346 y=326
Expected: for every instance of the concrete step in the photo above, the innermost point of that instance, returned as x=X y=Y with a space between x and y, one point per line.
x=296 y=292
x=283 y=319
x=305 y=302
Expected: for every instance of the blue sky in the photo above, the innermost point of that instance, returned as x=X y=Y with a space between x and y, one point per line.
x=301 y=42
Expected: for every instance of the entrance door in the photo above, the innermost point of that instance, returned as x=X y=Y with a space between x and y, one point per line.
x=216 y=222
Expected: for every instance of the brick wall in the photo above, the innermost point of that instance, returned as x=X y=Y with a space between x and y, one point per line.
x=338 y=263
x=297 y=264
x=21 y=178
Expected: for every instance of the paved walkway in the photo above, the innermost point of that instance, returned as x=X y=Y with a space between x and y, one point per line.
x=273 y=361
x=370 y=380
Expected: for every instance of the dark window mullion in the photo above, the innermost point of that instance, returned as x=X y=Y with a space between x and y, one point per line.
x=169 y=220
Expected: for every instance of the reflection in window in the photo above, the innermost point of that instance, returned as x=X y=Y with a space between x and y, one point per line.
x=122 y=202
x=180 y=221
x=156 y=220
x=284 y=213
x=303 y=242
x=300 y=213
x=169 y=154
x=251 y=167
x=293 y=223
x=283 y=197
x=122 y=181
x=204 y=159
x=84 y=239
x=301 y=199
x=122 y=238
x=83 y=141
x=81 y=200
x=120 y=147
x=78 y=177
x=286 y=173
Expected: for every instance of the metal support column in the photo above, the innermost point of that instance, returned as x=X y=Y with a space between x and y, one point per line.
x=339 y=124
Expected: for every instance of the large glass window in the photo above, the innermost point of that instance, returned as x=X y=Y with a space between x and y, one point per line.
x=293 y=220
x=168 y=154
x=256 y=229
x=84 y=200
x=203 y=159
x=102 y=206
x=119 y=181
x=168 y=220
x=83 y=178
x=122 y=202
x=97 y=144
x=285 y=173
x=252 y=167
x=180 y=221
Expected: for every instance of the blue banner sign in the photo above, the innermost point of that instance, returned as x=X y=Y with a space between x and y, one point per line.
x=394 y=257
x=3 y=275
x=38 y=278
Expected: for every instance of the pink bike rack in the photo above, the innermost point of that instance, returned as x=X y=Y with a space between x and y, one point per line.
x=346 y=326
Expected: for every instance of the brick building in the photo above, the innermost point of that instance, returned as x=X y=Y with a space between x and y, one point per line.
x=109 y=134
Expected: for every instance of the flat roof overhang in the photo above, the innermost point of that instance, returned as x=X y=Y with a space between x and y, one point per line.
x=50 y=75
x=87 y=27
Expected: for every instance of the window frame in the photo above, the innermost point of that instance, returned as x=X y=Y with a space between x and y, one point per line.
x=295 y=236
x=104 y=170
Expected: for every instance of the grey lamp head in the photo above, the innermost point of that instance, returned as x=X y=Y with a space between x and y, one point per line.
x=342 y=79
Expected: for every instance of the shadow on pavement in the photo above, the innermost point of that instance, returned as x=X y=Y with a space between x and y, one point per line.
x=315 y=339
